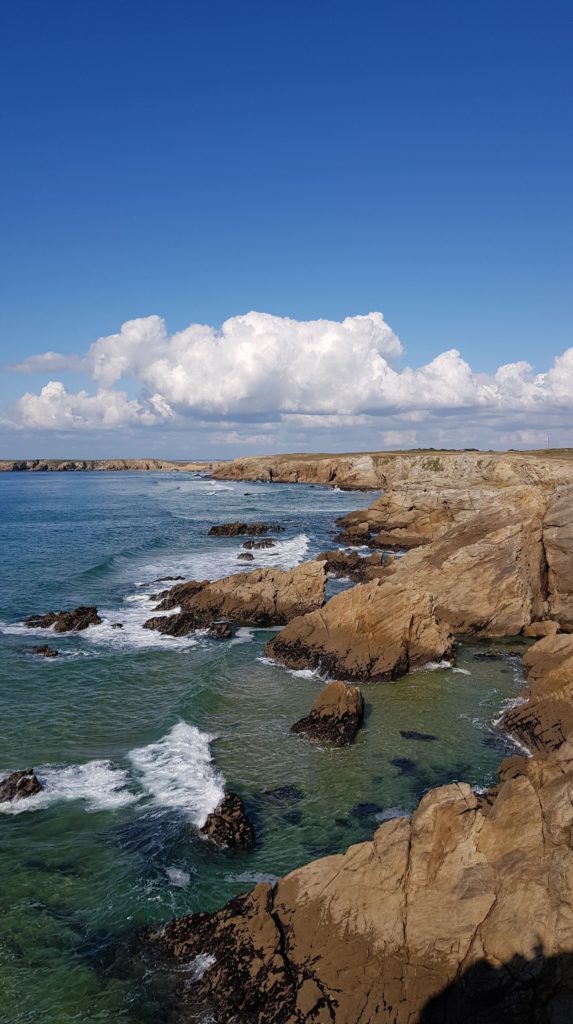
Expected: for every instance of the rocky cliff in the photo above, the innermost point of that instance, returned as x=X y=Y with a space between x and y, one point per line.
x=464 y=912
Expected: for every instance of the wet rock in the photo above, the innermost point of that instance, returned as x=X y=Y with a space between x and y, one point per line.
x=336 y=715
x=228 y=826
x=490 y=655
x=423 y=737
x=365 y=809
x=45 y=651
x=19 y=785
x=245 y=556
x=220 y=631
x=238 y=529
x=257 y=545
x=117 y=625
x=66 y=622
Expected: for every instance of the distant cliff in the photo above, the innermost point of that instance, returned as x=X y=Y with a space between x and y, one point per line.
x=98 y=465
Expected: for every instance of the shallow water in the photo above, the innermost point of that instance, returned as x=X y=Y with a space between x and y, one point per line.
x=135 y=735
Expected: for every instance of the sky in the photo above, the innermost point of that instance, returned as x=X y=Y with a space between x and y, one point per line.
x=241 y=228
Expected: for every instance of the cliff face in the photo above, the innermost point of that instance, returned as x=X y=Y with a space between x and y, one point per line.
x=95 y=465
x=380 y=470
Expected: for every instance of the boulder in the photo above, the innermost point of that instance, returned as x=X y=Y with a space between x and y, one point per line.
x=335 y=717
x=228 y=825
x=263 y=597
x=19 y=785
x=238 y=529
x=246 y=556
x=45 y=651
x=537 y=630
x=66 y=622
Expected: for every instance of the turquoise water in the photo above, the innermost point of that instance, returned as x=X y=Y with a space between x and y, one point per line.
x=135 y=735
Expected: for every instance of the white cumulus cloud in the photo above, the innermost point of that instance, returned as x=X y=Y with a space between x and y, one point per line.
x=56 y=408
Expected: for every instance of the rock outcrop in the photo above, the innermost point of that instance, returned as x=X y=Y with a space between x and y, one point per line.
x=485 y=576
x=360 y=568
x=545 y=720
x=239 y=529
x=389 y=470
x=263 y=597
x=373 y=632
x=459 y=914
x=335 y=717
x=66 y=622
x=228 y=826
x=19 y=785
x=102 y=465
x=45 y=651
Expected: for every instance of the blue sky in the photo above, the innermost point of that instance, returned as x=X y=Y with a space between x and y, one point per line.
x=197 y=161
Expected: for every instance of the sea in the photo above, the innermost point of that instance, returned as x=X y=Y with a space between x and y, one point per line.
x=135 y=736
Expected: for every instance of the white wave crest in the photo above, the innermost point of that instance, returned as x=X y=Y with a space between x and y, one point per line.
x=101 y=785
x=178 y=772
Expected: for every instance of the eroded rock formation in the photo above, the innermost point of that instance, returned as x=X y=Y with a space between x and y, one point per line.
x=66 y=622
x=263 y=597
x=335 y=716
x=228 y=826
x=19 y=785
x=239 y=529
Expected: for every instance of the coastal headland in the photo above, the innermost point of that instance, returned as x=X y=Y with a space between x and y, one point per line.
x=463 y=912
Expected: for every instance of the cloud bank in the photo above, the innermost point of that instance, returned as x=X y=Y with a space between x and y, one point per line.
x=262 y=379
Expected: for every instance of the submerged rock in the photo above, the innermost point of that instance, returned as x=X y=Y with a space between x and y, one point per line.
x=45 y=651
x=228 y=825
x=19 y=785
x=66 y=622
x=423 y=737
x=336 y=715
x=239 y=529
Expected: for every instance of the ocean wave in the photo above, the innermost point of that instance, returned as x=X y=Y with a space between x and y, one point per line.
x=178 y=772
x=102 y=786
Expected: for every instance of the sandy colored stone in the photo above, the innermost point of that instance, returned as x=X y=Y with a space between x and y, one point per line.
x=336 y=715
x=264 y=597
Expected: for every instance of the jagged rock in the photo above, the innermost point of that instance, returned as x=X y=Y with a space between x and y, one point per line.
x=19 y=785
x=377 y=934
x=238 y=529
x=45 y=651
x=336 y=715
x=268 y=542
x=246 y=556
x=372 y=632
x=545 y=721
x=220 y=631
x=349 y=563
x=228 y=826
x=117 y=625
x=263 y=597
x=66 y=622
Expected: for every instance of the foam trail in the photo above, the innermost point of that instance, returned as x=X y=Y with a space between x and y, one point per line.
x=99 y=783
x=178 y=772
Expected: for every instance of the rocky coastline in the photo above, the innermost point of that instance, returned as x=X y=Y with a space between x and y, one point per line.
x=463 y=911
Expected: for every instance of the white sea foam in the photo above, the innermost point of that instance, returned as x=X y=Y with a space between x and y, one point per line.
x=178 y=772
x=298 y=673
x=392 y=812
x=177 y=876
x=461 y=671
x=101 y=785
x=436 y=666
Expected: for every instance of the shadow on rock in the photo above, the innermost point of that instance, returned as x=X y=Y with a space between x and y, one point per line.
x=522 y=991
